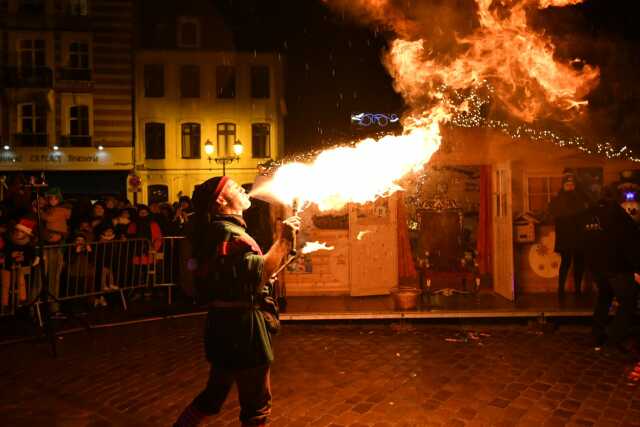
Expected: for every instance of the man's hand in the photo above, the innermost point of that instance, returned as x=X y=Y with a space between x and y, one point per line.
x=636 y=277
x=290 y=226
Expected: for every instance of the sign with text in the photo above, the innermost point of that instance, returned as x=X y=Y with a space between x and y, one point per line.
x=66 y=159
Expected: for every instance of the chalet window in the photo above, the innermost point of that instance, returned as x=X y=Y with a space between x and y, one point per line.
x=226 y=138
x=79 y=120
x=225 y=81
x=190 y=141
x=260 y=81
x=154 y=145
x=260 y=140
x=541 y=190
x=154 y=80
x=79 y=55
x=190 y=81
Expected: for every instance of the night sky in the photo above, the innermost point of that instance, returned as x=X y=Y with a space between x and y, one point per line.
x=333 y=67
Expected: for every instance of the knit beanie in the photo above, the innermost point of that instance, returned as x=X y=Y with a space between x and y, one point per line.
x=55 y=191
x=204 y=194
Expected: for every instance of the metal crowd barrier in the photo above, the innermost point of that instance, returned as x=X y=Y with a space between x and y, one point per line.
x=88 y=270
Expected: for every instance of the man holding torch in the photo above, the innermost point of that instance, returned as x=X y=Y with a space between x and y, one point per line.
x=231 y=275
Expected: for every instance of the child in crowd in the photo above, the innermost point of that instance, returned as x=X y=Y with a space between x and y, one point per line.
x=19 y=253
x=55 y=215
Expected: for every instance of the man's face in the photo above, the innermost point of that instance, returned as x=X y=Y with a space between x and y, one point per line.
x=143 y=213
x=235 y=196
x=154 y=208
x=98 y=210
x=569 y=186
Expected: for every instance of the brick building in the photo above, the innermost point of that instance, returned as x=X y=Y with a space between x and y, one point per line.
x=67 y=88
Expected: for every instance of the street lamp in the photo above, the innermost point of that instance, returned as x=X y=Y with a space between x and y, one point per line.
x=208 y=150
x=237 y=149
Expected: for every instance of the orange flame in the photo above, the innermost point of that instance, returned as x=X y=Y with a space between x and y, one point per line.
x=504 y=50
x=358 y=174
x=316 y=246
x=557 y=3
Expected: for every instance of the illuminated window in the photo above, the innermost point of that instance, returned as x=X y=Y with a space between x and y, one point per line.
x=260 y=140
x=190 y=81
x=154 y=146
x=541 y=190
x=190 y=141
x=260 y=81
x=154 y=80
x=226 y=138
x=225 y=81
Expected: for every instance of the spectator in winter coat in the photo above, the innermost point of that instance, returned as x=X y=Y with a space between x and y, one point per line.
x=611 y=241
x=565 y=207
x=56 y=215
x=98 y=215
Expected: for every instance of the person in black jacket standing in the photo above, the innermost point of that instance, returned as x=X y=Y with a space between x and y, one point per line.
x=565 y=207
x=611 y=240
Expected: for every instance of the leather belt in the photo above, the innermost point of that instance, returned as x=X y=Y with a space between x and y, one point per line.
x=231 y=304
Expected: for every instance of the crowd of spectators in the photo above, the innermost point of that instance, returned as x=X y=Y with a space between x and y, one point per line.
x=76 y=222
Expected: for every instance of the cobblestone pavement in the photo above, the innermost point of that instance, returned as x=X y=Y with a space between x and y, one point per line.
x=327 y=375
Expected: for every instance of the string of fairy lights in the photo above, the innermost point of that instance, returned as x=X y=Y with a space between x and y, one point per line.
x=469 y=111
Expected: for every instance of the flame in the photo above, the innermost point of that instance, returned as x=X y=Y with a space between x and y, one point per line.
x=557 y=3
x=316 y=246
x=518 y=62
x=360 y=173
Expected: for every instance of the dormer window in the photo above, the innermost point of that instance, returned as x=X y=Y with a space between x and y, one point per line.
x=188 y=32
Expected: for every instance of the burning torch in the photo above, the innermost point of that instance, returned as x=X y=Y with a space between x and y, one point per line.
x=295 y=206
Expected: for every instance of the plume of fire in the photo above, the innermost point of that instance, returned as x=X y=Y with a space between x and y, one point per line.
x=316 y=246
x=360 y=173
x=557 y=3
x=519 y=63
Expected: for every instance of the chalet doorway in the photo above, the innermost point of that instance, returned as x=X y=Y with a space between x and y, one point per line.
x=450 y=227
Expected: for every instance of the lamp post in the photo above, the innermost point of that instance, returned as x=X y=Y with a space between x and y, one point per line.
x=237 y=150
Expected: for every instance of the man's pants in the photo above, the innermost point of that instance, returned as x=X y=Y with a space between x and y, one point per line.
x=566 y=257
x=254 y=391
x=624 y=288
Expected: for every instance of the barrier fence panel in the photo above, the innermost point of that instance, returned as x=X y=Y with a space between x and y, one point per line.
x=168 y=259
x=80 y=271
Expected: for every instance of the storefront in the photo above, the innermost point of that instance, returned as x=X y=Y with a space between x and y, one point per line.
x=77 y=171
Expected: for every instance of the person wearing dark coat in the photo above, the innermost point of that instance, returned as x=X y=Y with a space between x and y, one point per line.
x=230 y=274
x=611 y=241
x=565 y=207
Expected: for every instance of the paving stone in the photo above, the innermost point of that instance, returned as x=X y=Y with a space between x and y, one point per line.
x=324 y=375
